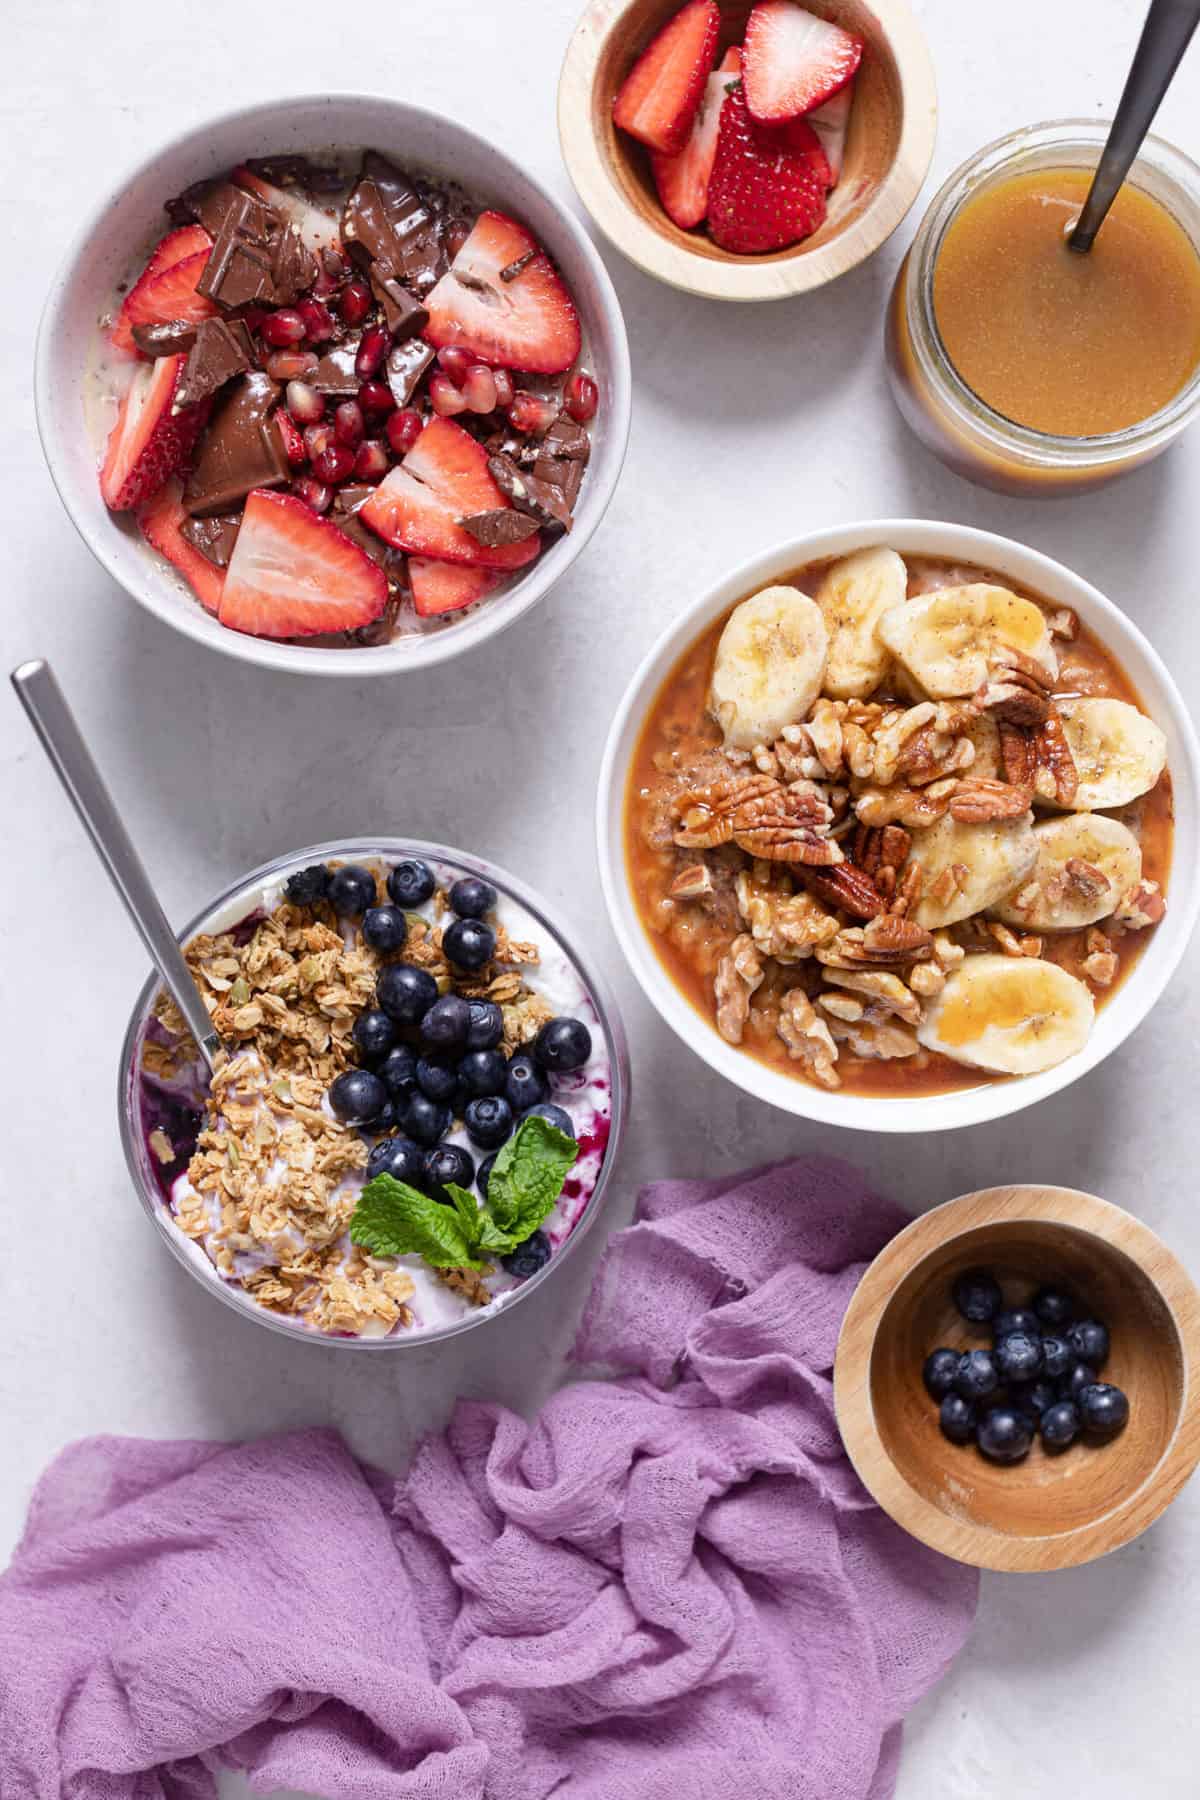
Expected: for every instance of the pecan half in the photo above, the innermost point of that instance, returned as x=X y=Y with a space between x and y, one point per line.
x=1052 y=757
x=977 y=802
x=693 y=882
x=887 y=940
x=847 y=887
x=1086 y=878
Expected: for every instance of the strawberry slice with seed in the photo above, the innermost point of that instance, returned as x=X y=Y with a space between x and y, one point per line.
x=794 y=61
x=150 y=441
x=659 y=97
x=443 y=478
x=768 y=183
x=294 y=574
x=159 y=522
x=526 y=322
x=443 y=587
x=682 y=180
x=166 y=288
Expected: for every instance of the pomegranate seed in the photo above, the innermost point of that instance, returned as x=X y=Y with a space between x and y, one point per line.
x=317 y=438
x=581 y=398
x=334 y=465
x=293 y=439
x=325 y=285
x=348 y=423
x=313 y=493
x=530 y=414
x=456 y=363
x=355 y=302
x=304 y=403
x=479 y=389
x=376 y=398
x=283 y=327
x=371 y=351
x=504 y=387
x=287 y=365
x=318 y=321
x=445 y=398
x=372 y=462
x=457 y=233
x=403 y=429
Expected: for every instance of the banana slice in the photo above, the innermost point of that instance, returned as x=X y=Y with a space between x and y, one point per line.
x=1119 y=752
x=769 y=666
x=1012 y=1015
x=967 y=868
x=946 y=639
x=1086 y=861
x=853 y=597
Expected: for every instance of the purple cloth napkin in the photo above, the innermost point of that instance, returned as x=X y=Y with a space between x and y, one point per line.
x=671 y=1586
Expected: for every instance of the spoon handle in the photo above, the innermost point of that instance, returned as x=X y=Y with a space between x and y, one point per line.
x=1165 y=36
x=52 y=719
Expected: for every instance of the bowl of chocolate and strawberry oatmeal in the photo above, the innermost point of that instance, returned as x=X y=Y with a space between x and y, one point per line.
x=896 y=826
x=419 y=1108
x=333 y=385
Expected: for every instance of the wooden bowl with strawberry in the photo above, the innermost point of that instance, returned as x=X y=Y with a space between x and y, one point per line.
x=747 y=151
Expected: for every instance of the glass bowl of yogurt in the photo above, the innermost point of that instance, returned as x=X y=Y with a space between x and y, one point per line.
x=390 y=1007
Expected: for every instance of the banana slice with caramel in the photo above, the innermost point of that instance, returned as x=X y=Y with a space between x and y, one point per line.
x=1011 y=1015
x=1085 y=862
x=947 y=639
x=966 y=869
x=853 y=597
x=1118 y=751
x=769 y=666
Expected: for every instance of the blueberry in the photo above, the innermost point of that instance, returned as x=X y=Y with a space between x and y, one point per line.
x=1053 y=1306
x=1032 y=1398
x=1016 y=1318
x=469 y=943
x=1018 y=1356
x=941 y=1367
x=483 y=1072
x=483 y=1174
x=398 y=1157
x=977 y=1375
x=374 y=1033
x=357 y=1096
x=423 y=1119
x=437 y=1079
x=1057 y=1356
x=977 y=1295
x=385 y=1119
x=405 y=993
x=525 y=1084
x=956 y=1417
x=351 y=889
x=1004 y=1435
x=1060 y=1424
x=486 y=1030
x=528 y=1257
x=385 y=928
x=411 y=883
x=471 y=898
x=1103 y=1408
x=1088 y=1339
x=398 y=1070
x=449 y=1162
x=563 y=1044
x=444 y=1027
x=554 y=1115
x=489 y=1121
x=1077 y=1377
x=307 y=886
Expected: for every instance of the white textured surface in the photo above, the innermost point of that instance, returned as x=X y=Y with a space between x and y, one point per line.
x=748 y=426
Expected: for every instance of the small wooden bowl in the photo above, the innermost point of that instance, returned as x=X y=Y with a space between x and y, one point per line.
x=892 y=127
x=1050 y=1511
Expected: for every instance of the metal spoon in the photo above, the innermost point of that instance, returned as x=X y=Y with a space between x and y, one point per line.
x=1165 y=36
x=54 y=722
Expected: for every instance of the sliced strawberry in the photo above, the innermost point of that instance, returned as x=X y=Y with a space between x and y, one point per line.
x=317 y=229
x=443 y=478
x=159 y=522
x=794 y=61
x=659 y=97
x=831 y=122
x=801 y=140
x=682 y=181
x=765 y=193
x=528 y=322
x=150 y=295
x=294 y=574
x=442 y=587
x=149 y=443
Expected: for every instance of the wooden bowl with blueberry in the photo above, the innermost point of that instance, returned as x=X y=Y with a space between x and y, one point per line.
x=1016 y=1378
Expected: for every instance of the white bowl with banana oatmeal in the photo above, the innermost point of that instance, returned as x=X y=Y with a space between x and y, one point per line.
x=886 y=826
x=312 y=1183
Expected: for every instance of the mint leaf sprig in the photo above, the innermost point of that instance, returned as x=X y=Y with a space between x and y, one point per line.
x=394 y=1219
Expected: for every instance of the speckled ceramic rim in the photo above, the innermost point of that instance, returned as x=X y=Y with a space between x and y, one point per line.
x=386 y=850
x=110 y=236
x=1128 y=1006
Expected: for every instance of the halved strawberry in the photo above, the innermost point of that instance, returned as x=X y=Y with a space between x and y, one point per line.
x=442 y=587
x=831 y=122
x=159 y=522
x=660 y=95
x=152 y=300
x=682 y=180
x=443 y=478
x=798 y=137
x=317 y=229
x=794 y=61
x=294 y=574
x=767 y=189
x=149 y=443
x=528 y=322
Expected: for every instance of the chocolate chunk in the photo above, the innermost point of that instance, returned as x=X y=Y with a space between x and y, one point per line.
x=256 y=258
x=417 y=256
x=335 y=373
x=542 y=501
x=348 y=498
x=503 y=525
x=173 y=338
x=213 y=537
x=293 y=267
x=221 y=350
x=220 y=201
x=567 y=438
x=406 y=365
x=346 y=502
x=241 y=448
x=297 y=171
x=518 y=266
x=367 y=229
x=403 y=313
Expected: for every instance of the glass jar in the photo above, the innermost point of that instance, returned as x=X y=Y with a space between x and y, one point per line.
x=949 y=418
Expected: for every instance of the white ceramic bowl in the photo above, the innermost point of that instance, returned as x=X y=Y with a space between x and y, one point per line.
x=123 y=226
x=1114 y=1021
